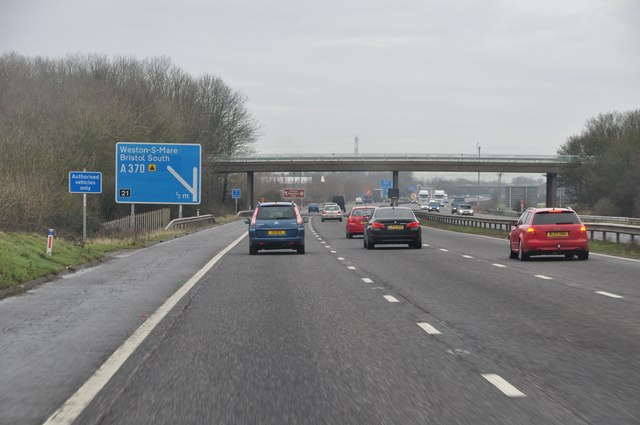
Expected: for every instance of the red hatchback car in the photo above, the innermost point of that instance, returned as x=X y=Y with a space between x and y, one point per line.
x=549 y=231
x=358 y=218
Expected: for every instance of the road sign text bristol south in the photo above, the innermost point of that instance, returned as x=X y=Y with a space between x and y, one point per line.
x=158 y=173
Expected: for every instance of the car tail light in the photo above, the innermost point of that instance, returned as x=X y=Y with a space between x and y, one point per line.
x=324 y=212
x=300 y=222
x=253 y=219
x=352 y=220
x=377 y=225
x=413 y=225
x=583 y=229
x=531 y=230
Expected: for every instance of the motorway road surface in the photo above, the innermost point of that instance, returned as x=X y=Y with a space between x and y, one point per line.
x=453 y=333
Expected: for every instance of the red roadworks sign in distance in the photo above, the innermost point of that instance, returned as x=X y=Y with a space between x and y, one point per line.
x=293 y=193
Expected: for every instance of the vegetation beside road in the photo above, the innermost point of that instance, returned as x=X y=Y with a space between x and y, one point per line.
x=23 y=256
x=600 y=247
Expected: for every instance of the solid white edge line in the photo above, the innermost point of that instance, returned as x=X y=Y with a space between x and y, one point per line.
x=541 y=276
x=73 y=407
x=391 y=299
x=502 y=385
x=609 y=294
x=367 y=280
x=429 y=329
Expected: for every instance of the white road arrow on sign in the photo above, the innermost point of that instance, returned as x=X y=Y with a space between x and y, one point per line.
x=193 y=189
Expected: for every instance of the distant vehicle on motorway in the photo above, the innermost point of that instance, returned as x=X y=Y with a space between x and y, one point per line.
x=439 y=195
x=393 y=225
x=548 y=231
x=358 y=201
x=358 y=218
x=339 y=199
x=433 y=206
x=276 y=225
x=313 y=207
x=331 y=212
x=457 y=200
x=465 y=209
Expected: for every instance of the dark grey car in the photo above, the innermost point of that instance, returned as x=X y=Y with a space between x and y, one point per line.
x=393 y=225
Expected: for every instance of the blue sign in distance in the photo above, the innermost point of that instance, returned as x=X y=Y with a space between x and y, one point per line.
x=158 y=173
x=385 y=185
x=85 y=182
x=235 y=193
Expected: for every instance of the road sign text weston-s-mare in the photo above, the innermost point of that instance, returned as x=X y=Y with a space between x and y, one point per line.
x=158 y=173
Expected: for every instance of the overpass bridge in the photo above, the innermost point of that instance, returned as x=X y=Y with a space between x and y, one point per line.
x=550 y=165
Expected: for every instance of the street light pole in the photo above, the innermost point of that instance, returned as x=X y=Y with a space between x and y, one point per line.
x=479 y=147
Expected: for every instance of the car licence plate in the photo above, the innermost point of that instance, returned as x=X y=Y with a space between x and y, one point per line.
x=395 y=227
x=276 y=232
x=557 y=234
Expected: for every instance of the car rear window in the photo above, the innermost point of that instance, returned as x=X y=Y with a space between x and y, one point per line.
x=361 y=212
x=402 y=213
x=276 y=212
x=331 y=207
x=562 y=217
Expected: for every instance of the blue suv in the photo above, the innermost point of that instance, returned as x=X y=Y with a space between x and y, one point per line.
x=276 y=225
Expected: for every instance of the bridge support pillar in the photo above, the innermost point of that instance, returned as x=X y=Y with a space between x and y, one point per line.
x=552 y=189
x=395 y=185
x=250 y=203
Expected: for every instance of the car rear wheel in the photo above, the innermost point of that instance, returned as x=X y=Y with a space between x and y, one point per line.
x=523 y=256
x=583 y=255
x=370 y=244
x=253 y=250
x=349 y=235
x=418 y=243
x=512 y=254
x=300 y=249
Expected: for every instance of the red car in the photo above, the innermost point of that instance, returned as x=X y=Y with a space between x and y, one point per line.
x=548 y=231
x=358 y=218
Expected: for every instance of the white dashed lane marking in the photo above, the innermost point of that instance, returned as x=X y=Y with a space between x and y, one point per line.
x=429 y=329
x=391 y=299
x=467 y=256
x=351 y=267
x=541 y=276
x=502 y=385
x=367 y=280
x=499 y=265
x=609 y=294
x=424 y=244
x=333 y=252
x=444 y=250
x=341 y=258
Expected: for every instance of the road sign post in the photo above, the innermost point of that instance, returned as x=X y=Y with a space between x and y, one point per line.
x=85 y=182
x=158 y=173
x=235 y=194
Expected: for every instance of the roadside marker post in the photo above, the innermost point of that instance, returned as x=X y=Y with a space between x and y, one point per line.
x=50 y=242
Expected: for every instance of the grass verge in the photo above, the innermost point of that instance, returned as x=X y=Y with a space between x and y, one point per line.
x=23 y=256
x=600 y=247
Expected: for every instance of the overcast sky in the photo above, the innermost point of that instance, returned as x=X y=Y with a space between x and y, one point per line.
x=423 y=76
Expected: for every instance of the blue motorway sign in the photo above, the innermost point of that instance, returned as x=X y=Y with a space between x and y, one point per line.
x=158 y=173
x=85 y=182
x=385 y=185
x=235 y=193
